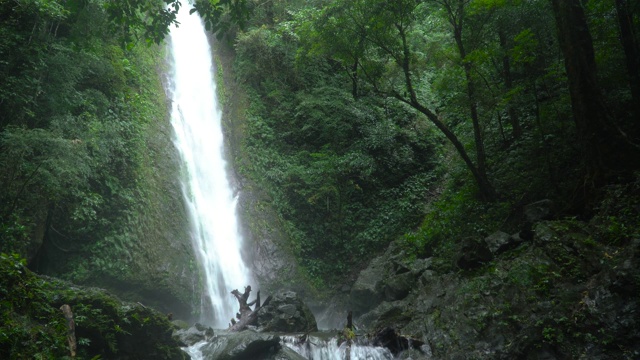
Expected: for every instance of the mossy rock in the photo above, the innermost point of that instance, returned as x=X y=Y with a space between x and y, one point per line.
x=33 y=326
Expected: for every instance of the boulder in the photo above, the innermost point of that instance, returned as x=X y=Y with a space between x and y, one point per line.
x=193 y=334
x=244 y=345
x=473 y=254
x=286 y=312
x=421 y=265
x=398 y=287
x=390 y=339
x=499 y=242
x=544 y=232
x=286 y=354
x=387 y=314
x=330 y=313
x=367 y=291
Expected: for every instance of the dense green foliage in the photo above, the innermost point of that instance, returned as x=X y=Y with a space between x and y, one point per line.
x=72 y=112
x=366 y=121
x=33 y=327
x=89 y=177
x=357 y=109
x=345 y=175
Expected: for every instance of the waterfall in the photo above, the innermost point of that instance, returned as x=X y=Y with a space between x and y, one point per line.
x=196 y=120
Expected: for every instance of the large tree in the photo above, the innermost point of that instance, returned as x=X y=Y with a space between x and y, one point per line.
x=384 y=56
x=596 y=131
x=631 y=50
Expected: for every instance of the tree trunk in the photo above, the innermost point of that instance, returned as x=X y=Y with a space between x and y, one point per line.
x=71 y=329
x=245 y=316
x=594 y=130
x=516 y=129
x=456 y=18
x=631 y=52
x=485 y=188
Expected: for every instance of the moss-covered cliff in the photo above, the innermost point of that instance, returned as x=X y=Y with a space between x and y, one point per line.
x=90 y=183
x=268 y=250
x=557 y=289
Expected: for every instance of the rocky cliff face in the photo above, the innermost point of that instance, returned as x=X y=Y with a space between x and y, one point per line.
x=273 y=266
x=148 y=257
x=560 y=295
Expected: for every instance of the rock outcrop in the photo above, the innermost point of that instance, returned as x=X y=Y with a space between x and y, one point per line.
x=286 y=312
x=560 y=295
x=389 y=277
x=242 y=345
x=194 y=334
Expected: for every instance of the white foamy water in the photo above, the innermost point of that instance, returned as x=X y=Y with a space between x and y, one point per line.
x=328 y=349
x=196 y=120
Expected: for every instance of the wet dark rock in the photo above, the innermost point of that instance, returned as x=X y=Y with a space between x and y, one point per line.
x=366 y=292
x=389 y=338
x=562 y=295
x=285 y=354
x=499 y=242
x=286 y=312
x=244 y=345
x=398 y=287
x=419 y=266
x=474 y=253
x=520 y=237
x=539 y=210
x=388 y=277
x=423 y=353
x=386 y=314
x=399 y=267
x=194 y=334
x=543 y=232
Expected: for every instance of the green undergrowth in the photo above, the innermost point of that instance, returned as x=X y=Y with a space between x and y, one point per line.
x=32 y=325
x=457 y=213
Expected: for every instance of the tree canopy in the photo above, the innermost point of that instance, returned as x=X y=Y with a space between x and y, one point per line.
x=361 y=114
x=488 y=84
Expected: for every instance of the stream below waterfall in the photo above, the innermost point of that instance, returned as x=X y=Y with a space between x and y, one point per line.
x=318 y=346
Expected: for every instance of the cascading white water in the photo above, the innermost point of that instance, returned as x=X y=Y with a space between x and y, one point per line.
x=196 y=120
x=329 y=349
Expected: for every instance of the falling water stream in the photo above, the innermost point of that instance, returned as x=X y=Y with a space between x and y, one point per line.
x=196 y=120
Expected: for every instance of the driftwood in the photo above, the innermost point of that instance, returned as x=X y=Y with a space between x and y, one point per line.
x=71 y=329
x=256 y=301
x=242 y=301
x=245 y=316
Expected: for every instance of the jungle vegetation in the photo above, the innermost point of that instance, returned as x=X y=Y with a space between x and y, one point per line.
x=366 y=120
x=429 y=121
